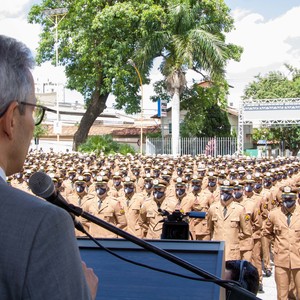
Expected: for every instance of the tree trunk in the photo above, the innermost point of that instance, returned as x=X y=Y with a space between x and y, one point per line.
x=175 y=85
x=95 y=108
x=295 y=151
x=175 y=122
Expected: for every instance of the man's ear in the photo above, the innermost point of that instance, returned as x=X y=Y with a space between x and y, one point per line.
x=8 y=120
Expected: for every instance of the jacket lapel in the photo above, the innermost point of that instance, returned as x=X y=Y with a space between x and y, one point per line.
x=295 y=216
x=230 y=210
x=283 y=218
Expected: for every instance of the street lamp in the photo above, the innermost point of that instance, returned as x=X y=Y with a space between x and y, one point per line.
x=131 y=62
x=58 y=14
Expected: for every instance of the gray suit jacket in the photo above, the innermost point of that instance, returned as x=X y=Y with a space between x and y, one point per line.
x=39 y=256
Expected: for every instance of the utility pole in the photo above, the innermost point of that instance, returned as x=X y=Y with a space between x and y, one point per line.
x=131 y=62
x=55 y=16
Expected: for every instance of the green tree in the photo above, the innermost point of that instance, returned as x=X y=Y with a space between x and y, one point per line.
x=40 y=129
x=263 y=133
x=195 y=41
x=205 y=106
x=96 y=39
x=277 y=85
x=214 y=122
x=271 y=86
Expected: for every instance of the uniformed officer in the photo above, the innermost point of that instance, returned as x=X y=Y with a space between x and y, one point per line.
x=19 y=181
x=212 y=187
x=27 y=174
x=257 y=232
x=86 y=173
x=229 y=222
x=268 y=203
x=283 y=226
x=106 y=208
x=150 y=219
x=58 y=182
x=198 y=227
x=148 y=186
x=117 y=188
x=80 y=198
x=252 y=206
x=156 y=171
x=69 y=183
x=132 y=204
x=139 y=182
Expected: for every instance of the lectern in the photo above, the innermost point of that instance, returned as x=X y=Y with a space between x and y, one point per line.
x=119 y=280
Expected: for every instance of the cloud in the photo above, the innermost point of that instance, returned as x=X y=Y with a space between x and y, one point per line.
x=13 y=22
x=19 y=29
x=15 y=8
x=12 y=8
x=268 y=45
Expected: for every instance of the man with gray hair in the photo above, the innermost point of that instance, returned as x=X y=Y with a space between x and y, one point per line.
x=39 y=256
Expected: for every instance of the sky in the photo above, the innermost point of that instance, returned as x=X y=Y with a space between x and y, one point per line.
x=268 y=31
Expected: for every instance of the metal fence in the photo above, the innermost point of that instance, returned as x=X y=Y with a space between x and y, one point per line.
x=213 y=146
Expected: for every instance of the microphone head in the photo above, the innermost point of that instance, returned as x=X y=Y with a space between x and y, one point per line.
x=41 y=185
x=197 y=214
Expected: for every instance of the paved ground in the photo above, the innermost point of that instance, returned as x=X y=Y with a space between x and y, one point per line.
x=269 y=288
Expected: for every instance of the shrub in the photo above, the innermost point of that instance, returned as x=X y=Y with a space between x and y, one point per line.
x=104 y=144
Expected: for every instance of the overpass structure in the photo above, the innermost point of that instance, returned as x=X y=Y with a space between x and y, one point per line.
x=267 y=112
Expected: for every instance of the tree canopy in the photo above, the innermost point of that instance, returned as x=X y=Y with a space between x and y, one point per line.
x=96 y=39
x=206 y=111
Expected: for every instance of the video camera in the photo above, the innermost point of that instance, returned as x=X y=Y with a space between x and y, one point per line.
x=176 y=226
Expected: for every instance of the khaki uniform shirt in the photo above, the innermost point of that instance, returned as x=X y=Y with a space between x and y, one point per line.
x=275 y=193
x=132 y=207
x=252 y=211
x=215 y=195
x=81 y=201
x=109 y=210
x=150 y=220
x=266 y=203
x=201 y=201
x=139 y=184
x=287 y=238
x=69 y=188
x=116 y=192
x=232 y=228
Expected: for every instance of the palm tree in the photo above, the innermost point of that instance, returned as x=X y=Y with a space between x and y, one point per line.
x=190 y=43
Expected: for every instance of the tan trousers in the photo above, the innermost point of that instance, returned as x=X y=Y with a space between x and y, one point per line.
x=283 y=278
x=256 y=258
x=203 y=237
x=246 y=255
x=266 y=248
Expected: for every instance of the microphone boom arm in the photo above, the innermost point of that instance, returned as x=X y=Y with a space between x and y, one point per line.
x=158 y=251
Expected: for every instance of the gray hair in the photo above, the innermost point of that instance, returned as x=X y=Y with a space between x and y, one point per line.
x=16 y=60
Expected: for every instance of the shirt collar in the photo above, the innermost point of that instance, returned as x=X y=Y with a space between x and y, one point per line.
x=2 y=174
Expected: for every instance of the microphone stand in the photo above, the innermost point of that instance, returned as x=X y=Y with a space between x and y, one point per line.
x=236 y=291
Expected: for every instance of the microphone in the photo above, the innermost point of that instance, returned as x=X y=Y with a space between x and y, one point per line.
x=42 y=186
x=197 y=214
